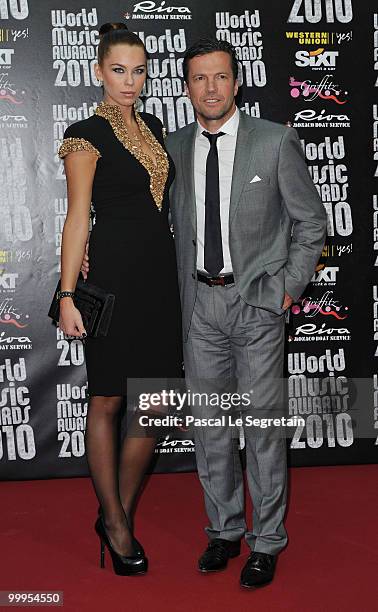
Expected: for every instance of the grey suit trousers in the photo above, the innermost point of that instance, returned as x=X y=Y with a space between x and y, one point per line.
x=233 y=346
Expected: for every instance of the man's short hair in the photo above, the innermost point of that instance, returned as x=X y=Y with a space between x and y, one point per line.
x=210 y=45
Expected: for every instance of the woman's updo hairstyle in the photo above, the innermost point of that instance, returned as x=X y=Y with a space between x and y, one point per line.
x=116 y=34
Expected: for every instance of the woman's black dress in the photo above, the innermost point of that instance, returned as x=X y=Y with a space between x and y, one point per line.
x=131 y=252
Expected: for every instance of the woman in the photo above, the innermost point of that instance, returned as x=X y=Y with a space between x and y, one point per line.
x=116 y=160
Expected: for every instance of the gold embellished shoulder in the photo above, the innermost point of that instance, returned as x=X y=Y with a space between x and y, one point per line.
x=158 y=173
x=71 y=145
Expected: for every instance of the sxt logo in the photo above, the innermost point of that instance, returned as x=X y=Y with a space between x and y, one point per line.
x=316 y=59
x=335 y=10
x=325 y=276
x=6 y=57
x=8 y=281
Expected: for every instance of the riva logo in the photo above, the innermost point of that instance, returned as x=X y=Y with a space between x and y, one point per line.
x=13 y=118
x=151 y=7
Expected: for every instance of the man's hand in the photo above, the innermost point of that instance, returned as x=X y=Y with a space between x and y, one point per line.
x=288 y=300
x=85 y=263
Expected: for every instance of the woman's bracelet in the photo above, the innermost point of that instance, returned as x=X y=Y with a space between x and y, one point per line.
x=62 y=294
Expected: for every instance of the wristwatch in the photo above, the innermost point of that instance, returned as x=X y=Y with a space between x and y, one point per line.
x=62 y=294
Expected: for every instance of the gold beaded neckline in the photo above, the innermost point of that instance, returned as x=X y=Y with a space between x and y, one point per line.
x=158 y=172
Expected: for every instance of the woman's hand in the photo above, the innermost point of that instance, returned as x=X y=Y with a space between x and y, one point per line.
x=85 y=263
x=80 y=167
x=70 y=320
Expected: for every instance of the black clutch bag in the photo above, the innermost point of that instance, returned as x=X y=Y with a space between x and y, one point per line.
x=95 y=306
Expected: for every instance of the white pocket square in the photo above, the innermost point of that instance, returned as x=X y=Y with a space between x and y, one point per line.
x=255 y=179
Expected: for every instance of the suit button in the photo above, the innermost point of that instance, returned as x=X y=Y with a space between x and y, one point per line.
x=194 y=242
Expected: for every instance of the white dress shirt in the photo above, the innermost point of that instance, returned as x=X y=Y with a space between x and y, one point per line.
x=226 y=152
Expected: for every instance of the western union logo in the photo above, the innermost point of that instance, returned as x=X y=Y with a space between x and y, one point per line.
x=4 y=35
x=311 y=38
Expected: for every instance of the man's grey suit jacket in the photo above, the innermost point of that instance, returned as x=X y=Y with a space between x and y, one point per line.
x=277 y=224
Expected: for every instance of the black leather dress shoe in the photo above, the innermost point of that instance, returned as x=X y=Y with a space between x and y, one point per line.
x=258 y=571
x=217 y=554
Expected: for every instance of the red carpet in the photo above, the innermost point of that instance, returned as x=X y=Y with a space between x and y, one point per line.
x=331 y=563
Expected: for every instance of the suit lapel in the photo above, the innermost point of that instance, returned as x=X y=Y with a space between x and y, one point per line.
x=187 y=152
x=244 y=154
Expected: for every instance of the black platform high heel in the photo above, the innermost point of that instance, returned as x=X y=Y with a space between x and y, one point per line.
x=122 y=565
x=138 y=548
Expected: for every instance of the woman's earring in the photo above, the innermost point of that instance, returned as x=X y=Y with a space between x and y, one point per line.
x=138 y=105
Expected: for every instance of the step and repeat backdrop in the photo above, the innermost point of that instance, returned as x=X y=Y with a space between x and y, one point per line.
x=312 y=64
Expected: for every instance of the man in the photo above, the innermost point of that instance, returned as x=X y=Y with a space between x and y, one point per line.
x=249 y=228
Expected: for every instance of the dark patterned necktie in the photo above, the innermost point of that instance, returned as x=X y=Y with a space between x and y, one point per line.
x=213 y=233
